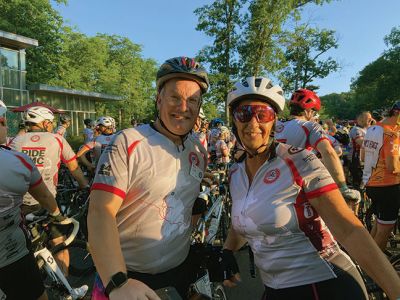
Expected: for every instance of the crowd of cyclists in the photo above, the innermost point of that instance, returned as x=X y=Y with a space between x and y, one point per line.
x=296 y=186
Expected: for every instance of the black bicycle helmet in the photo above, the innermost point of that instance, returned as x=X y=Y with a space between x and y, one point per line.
x=182 y=67
x=87 y=122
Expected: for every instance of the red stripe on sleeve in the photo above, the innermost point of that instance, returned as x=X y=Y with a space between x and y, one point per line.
x=37 y=183
x=25 y=163
x=322 y=190
x=132 y=147
x=108 y=188
x=69 y=160
x=320 y=140
x=296 y=175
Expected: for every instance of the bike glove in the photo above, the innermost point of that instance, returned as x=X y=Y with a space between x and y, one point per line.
x=350 y=194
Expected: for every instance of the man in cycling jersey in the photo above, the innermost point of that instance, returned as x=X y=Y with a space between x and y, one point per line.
x=19 y=275
x=381 y=174
x=301 y=132
x=106 y=127
x=145 y=186
x=88 y=130
x=357 y=134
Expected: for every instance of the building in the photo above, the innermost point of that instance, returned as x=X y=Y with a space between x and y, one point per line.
x=15 y=92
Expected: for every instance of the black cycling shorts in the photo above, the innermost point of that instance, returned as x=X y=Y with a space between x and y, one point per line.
x=348 y=285
x=22 y=279
x=386 y=203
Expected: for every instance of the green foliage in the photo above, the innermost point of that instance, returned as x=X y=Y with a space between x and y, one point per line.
x=109 y=64
x=220 y=20
x=38 y=20
x=304 y=56
x=378 y=84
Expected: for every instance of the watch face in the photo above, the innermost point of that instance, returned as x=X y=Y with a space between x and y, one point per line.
x=119 y=279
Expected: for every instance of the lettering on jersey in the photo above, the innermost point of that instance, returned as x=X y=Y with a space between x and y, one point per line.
x=37 y=154
x=110 y=148
x=105 y=169
x=194 y=159
x=279 y=128
x=308 y=211
x=35 y=138
x=309 y=158
x=370 y=144
x=294 y=150
x=271 y=176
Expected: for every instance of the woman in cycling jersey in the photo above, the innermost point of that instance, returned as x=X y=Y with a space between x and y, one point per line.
x=282 y=197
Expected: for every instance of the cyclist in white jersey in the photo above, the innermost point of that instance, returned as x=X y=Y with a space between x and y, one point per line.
x=143 y=193
x=300 y=132
x=19 y=275
x=99 y=143
x=282 y=196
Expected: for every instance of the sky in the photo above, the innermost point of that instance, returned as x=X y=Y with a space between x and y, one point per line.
x=166 y=28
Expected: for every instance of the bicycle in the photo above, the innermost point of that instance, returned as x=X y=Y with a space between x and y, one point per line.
x=207 y=239
x=53 y=278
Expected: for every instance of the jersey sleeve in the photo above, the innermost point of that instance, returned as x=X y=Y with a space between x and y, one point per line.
x=112 y=169
x=316 y=133
x=310 y=174
x=67 y=153
x=34 y=177
x=391 y=144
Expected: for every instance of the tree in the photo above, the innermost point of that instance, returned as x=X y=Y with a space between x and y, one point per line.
x=304 y=55
x=378 y=84
x=261 y=46
x=109 y=64
x=38 y=20
x=221 y=21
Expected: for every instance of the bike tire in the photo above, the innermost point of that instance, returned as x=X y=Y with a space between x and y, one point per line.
x=81 y=262
x=218 y=292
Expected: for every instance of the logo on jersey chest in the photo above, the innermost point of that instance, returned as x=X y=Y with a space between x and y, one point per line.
x=272 y=176
x=279 y=128
x=294 y=150
x=194 y=159
x=37 y=154
x=35 y=138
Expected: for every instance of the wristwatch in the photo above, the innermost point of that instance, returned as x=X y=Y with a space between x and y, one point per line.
x=117 y=280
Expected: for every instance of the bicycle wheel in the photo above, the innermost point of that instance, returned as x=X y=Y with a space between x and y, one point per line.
x=395 y=261
x=81 y=262
x=218 y=292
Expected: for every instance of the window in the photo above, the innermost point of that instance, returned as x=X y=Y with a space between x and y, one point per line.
x=9 y=58
x=12 y=97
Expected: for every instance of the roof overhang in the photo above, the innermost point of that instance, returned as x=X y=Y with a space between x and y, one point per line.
x=60 y=90
x=16 y=41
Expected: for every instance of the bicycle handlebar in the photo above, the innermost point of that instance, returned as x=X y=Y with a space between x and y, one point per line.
x=72 y=236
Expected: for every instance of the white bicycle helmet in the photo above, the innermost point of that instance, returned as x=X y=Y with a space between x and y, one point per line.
x=3 y=108
x=260 y=87
x=37 y=114
x=105 y=121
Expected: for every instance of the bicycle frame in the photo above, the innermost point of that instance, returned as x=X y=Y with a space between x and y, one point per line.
x=51 y=267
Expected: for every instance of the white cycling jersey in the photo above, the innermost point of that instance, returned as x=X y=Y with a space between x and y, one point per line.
x=47 y=150
x=18 y=174
x=98 y=144
x=61 y=130
x=300 y=133
x=158 y=183
x=291 y=244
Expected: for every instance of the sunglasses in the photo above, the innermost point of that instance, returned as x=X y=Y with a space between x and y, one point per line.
x=263 y=113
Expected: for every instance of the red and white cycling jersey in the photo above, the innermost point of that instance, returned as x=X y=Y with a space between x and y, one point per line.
x=18 y=174
x=47 y=150
x=355 y=134
x=61 y=130
x=158 y=183
x=98 y=144
x=221 y=146
x=202 y=137
x=300 y=133
x=380 y=141
x=291 y=243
